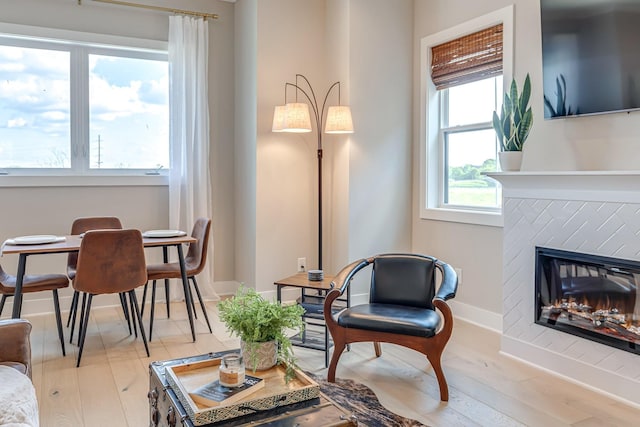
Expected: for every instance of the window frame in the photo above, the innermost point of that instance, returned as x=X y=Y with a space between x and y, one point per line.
x=80 y=45
x=431 y=144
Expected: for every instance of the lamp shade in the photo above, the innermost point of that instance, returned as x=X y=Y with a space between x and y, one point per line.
x=279 y=116
x=339 y=120
x=297 y=119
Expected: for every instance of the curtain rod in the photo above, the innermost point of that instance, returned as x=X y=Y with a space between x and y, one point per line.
x=160 y=8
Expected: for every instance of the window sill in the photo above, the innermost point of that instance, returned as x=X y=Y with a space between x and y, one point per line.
x=492 y=219
x=84 y=181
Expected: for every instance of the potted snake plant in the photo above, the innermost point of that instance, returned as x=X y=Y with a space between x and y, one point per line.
x=513 y=124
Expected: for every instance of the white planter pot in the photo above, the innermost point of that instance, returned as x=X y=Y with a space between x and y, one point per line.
x=510 y=160
x=262 y=355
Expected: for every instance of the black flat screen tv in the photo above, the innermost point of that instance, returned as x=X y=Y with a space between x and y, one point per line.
x=590 y=56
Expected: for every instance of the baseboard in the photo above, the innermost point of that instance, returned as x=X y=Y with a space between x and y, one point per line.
x=228 y=287
x=43 y=303
x=478 y=316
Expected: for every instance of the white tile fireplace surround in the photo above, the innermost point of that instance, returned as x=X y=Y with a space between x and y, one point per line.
x=590 y=212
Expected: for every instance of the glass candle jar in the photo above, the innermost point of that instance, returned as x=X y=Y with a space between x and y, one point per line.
x=232 y=370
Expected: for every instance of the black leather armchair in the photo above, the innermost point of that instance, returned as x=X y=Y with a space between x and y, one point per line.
x=402 y=308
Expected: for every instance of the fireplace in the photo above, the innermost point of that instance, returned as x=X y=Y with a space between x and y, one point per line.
x=597 y=213
x=590 y=296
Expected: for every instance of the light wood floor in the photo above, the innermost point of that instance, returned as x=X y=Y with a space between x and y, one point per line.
x=486 y=389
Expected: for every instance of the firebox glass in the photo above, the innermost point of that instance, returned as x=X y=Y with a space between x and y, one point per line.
x=590 y=296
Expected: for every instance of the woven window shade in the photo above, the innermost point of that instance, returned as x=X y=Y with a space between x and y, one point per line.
x=473 y=57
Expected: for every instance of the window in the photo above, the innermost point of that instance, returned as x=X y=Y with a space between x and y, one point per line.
x=79 y=108
x=469 y=144
x=463 y=70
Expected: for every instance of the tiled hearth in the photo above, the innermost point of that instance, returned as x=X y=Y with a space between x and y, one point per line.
x=590 y=212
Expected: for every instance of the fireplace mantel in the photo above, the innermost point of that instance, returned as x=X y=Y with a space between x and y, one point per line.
x=609 y=186
x=595 y=212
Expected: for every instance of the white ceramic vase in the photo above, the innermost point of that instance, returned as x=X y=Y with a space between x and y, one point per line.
x=510 y=161
x=262 y=356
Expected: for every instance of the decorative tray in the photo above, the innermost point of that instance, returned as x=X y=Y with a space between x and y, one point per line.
x=187 y=377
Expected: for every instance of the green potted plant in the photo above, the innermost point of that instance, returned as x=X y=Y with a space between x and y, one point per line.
x=513 y=124
x=261 y=326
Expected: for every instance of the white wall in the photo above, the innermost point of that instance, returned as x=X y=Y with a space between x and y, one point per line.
x=380 y=158
x=606 y=142
x=290 y=41
x=245 y=119
x=366 y=176
x=33 y=210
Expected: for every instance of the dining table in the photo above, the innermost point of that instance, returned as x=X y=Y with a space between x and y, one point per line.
x=71 y=243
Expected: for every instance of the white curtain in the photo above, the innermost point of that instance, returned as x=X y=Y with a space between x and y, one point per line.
x=190 y=182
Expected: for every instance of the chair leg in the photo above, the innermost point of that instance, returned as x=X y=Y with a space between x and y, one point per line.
x=165 y=259
x=153 y=308
x=134 y=305
x=84 y=325
x=56 y=306
x=73 y=321
x=73 y=307
x=193 y=302
x=338 y=348
x=125 y=310
x=144 y=299
x=202 y=306
x=434 y=359
x=167 y=297
x=133 y=319
x=4 y=298
x=326 y=346
x=377 y=348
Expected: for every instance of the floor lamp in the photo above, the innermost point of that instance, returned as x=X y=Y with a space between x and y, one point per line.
x=294 y=117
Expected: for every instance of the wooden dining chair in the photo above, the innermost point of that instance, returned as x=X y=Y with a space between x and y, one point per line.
x=36 y=283
x=79 y=226
x=110 y=262
x=194 y=262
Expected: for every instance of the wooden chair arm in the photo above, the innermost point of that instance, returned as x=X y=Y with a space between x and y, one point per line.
x=447 y=326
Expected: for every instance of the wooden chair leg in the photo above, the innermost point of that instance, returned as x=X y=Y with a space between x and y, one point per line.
x=338 y=348
x=56 y=306
x=434 y=359
x=377 y=348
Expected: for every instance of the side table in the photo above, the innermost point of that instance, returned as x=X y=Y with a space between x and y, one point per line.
x=312 y=294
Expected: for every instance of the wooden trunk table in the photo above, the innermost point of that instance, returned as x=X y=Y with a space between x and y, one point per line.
x=165 y=409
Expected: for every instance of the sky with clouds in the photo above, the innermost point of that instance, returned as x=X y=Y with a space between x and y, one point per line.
x=128 y=111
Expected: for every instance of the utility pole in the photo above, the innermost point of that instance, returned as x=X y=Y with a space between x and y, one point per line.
x=99 y=151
